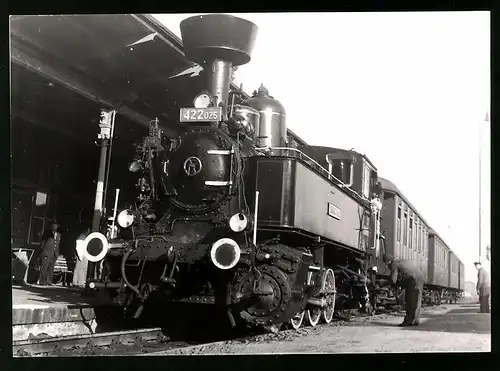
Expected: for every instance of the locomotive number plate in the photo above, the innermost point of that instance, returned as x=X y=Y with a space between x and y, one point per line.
x=201 y=114
x=334 y=211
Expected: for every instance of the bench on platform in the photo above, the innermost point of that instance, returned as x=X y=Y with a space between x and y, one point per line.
x=62 y=271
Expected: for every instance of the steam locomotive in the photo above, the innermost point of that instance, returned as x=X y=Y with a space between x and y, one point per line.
x=229 y=214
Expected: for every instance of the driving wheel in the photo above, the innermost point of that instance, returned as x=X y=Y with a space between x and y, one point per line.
x=329 y=284
x=314 y=314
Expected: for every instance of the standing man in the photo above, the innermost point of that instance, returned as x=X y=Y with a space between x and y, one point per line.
x=50 y=252
x=406 y=274
x=483 y=288
x=80 y=273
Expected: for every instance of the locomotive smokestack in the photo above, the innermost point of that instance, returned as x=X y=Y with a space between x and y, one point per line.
x=218 y=42
x=219 y=80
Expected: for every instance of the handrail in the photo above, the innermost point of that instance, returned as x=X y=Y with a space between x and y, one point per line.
x=330 y=176
x=321 y=168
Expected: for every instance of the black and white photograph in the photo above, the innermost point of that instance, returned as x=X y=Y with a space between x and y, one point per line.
x=250 y=183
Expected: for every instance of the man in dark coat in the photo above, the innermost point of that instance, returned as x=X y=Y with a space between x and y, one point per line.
x=483 y=288
x=50 y=252
x=406 y=274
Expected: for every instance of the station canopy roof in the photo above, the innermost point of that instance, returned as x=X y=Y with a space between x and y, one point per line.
x=65 y=68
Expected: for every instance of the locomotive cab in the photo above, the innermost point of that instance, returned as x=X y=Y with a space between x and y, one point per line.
x=353 y=169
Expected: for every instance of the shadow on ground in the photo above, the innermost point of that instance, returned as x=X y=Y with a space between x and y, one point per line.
x=464 y=319
x=460 y=320
x=188 y=322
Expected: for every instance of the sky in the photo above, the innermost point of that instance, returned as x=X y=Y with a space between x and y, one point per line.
x=409 y=89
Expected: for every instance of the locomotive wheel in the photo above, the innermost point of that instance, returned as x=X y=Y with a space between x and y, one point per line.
x=329 y=284
x=296 y=321
x=313 y=315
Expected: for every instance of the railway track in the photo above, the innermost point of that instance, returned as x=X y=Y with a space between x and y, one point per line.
x=150 y=341
x=145 y=341
x=341 y=318
x=135 y=341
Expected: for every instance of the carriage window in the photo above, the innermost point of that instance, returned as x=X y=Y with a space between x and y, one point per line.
x=366 y=181
x=405 y=230
x=398 y=225
x=417 y=233
x=426 y=246
x=423 y=240
x=410 y=243
x=422 y=237
x=419 y=240
x=388 y=196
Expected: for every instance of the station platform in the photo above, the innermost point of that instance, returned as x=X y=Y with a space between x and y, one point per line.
x=54 y=311
x=463 y=318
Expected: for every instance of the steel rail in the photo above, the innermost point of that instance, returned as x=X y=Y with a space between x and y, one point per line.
x=48 y=345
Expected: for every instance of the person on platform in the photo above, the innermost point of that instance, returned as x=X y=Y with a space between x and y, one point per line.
x=80 y=273
x=483 y=288
x=50 y=252
x=406 y=274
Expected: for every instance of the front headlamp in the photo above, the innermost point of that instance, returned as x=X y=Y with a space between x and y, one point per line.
x=238 y=222
x=202 y=100
x=126 y=218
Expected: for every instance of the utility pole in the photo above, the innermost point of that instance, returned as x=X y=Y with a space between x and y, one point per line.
x=486 y=119
x=106 y=124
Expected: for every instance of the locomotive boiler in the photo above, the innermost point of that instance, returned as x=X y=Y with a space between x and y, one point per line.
x=228 y=214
